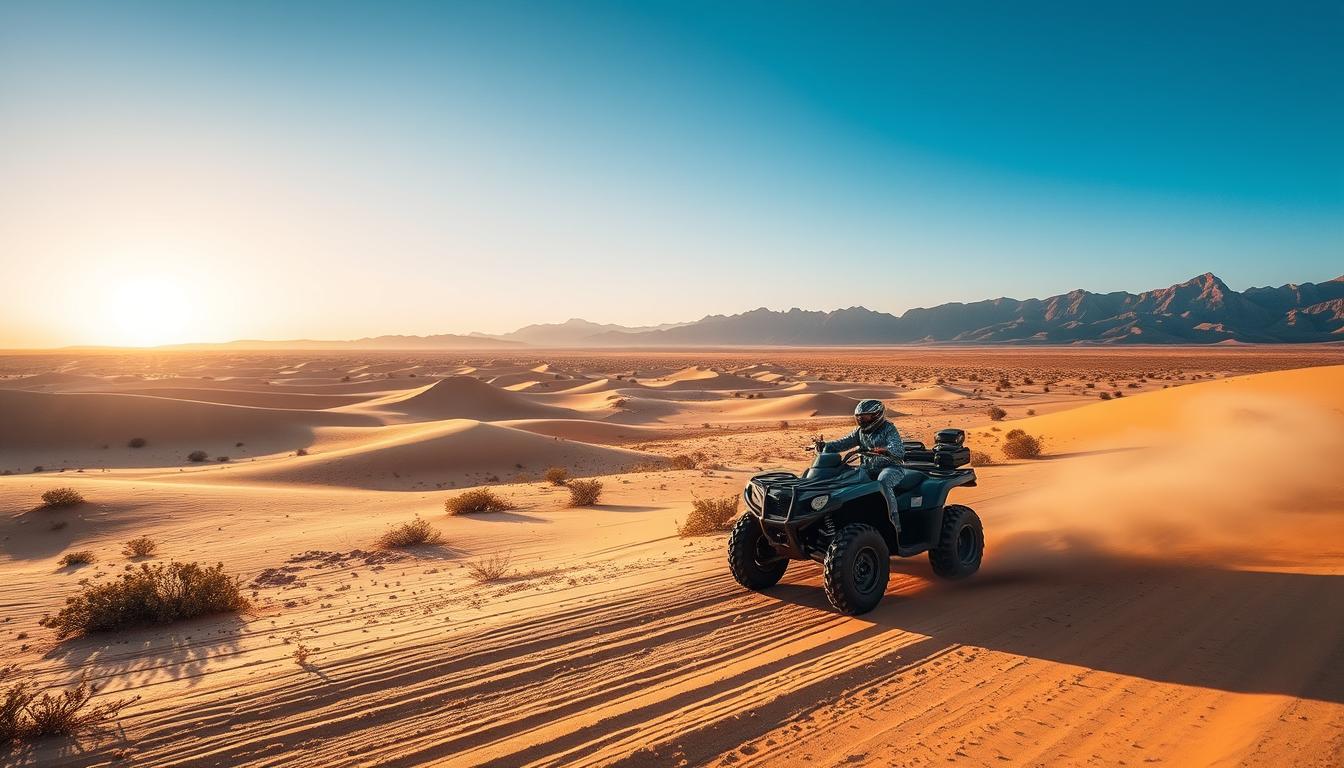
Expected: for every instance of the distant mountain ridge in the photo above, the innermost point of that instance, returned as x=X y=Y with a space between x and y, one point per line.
x=1201 y=310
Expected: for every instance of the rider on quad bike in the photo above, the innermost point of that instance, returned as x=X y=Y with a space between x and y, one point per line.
x=876 y=435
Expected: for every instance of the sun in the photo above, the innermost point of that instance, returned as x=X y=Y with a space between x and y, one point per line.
x=147 y=311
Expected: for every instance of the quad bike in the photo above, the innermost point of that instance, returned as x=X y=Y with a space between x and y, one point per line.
x=837 y=515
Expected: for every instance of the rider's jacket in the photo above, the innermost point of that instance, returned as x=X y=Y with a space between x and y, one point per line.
x=884 y=436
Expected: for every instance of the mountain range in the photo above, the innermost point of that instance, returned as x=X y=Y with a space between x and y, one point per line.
x=1201 y=310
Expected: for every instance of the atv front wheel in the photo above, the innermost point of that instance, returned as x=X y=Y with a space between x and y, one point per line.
x=961 y=544
x=856 y=570
x=752 y=560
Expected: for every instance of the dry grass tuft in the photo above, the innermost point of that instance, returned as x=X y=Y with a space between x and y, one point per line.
x=140 y=546
x=197 y=456
x=80 y=557
x=492 y=568
x=557 y=475
x=410 y=534
x=583 y=493
x=996 y=413
x=709 y=516
x=62 y=497
x=1019 y=445
x=682 y=461
x=25 y=716
x=136 y=442
x=981 y=459
x=476 y=501
x=151 y=594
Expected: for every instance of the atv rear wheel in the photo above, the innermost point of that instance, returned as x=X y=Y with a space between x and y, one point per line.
x=961 y=544
x=754 y=563
x=856 y=569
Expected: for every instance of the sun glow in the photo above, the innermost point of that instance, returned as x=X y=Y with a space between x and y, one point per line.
x=146 y=311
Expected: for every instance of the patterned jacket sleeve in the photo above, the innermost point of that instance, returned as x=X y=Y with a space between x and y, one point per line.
x=843 y=444
x=889 y=438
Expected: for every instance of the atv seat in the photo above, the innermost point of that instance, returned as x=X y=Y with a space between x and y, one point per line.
x=910 y=479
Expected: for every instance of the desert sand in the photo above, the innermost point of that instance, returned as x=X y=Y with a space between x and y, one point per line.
x=1165 y=585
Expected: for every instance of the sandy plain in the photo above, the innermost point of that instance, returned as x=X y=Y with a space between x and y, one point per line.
x=1162 y=586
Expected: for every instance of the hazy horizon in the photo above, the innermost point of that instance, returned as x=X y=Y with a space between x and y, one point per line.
x=257 y=171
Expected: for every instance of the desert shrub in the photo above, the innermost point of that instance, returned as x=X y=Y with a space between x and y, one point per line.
x=410 y=534
x=136 y=442
x=492 y=568
x=981 y=459
x=1104 y=395
x=79 y=557
x=140 y=546
x=221 y=459
x=197 y=456
x=996 y=413
x=150 y=594
x=682 y=461
x=783 y=424
x=557 y=475
x=301 y=651
x=475 y=501
x=584 y=492
x=62 y=497
x=301 y=452
x=24 y=715
x=1031 y=411
x=1019 y=445
x=708 y=516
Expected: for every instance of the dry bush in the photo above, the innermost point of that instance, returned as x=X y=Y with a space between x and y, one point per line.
x=682 y=461
x=1104 y=395
x=151 y=594
x=557 y=475
x=137 y=442
x=197 y=456
x=981 y=459
x=301 y=452
x=475 y=501
x=492 y=568
x=24 y=715
x=410 y=534
x=1019 y=445
x=79 y=557
x=301 y=654
x=140 y=546
x=62 y=497
x=996 y=413
x=709 y=516
x=582 y=493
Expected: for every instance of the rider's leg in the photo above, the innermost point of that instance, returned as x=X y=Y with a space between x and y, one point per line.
x=888 y=478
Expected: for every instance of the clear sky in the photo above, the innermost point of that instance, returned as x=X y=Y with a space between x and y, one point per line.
x=185 y=171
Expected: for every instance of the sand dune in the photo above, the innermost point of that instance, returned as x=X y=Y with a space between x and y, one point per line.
x=935 y=392
x=460 y=397
x=696 y=377
x=451 y=453
x=793 y=406
x=42 y=428
x=269 y=397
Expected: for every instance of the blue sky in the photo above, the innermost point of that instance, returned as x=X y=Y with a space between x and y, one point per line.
x=345 y=169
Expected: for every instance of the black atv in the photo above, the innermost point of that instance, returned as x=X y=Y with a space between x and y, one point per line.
x=837 y=515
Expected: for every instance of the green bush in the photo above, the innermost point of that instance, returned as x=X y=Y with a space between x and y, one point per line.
x=150 y=594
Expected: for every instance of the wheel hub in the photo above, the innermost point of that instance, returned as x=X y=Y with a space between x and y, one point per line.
x=865 y=570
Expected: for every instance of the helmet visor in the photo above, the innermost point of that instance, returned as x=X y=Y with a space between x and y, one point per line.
x=867 y=419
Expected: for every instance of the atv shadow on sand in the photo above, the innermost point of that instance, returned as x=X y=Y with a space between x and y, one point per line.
x=838 y=515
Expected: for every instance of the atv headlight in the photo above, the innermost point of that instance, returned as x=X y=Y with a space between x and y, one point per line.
x=819 y=502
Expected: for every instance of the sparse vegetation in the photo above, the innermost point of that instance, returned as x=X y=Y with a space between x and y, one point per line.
x=150 y=594
x=981 y=459
x=1104 y=395
x=62 y=497
x=25 y=715
x=140 y=546
x=301 y=452
x=197 y=456
x=476 y=501
x=583 y=493
x=411 y=534
x=682 y=461
x=995 y=413
x=557 y=475
x=137 y=442
x=78 y=557
x=709 y=516
x=1017 y=444
x=492 y=568
x=301 y=654
x=221 y=459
